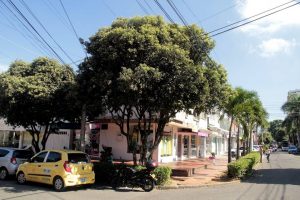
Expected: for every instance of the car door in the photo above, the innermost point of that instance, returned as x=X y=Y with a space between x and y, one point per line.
x=51 y=166
x=34 y=167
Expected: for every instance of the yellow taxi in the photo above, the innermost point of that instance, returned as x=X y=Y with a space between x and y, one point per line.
x=60 y=168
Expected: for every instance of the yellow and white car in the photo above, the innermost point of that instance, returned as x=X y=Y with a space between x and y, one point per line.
x=60 y=168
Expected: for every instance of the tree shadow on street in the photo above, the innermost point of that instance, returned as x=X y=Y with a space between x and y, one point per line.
x=289 y=176
x=11 y=186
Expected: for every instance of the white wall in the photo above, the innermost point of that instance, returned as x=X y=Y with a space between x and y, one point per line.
x=112 y=137
x=60 y=140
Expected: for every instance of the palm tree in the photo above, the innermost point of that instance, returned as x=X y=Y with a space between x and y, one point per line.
x=251 y=114
x=234 y=108
x=292 y=108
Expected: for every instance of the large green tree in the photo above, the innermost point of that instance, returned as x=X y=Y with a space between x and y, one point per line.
x=251 y=115
x=151 y=70
x=276 y=128
x=292 y=109
x=244 y=108
x=36 y=95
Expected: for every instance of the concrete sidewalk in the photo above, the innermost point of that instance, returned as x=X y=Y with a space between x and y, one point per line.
x=206 y=172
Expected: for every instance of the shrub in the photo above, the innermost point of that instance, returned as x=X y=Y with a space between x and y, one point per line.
x=139 y=167
x=162 y=174
x=243 y=166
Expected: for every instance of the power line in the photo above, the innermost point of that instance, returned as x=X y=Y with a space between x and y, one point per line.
x=27 y=37
x=189 y=8
x=142 y=7
x=17 y=45
x=44 y=28
x=57 y=13
x=181 y=17
x=27 y=21
x=66 y=13
x=164 y=11
x=148 y=5
x=28 y=29
x=252 y=20
x=217 y=13
x=109 y=8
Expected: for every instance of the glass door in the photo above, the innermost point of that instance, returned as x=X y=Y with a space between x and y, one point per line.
x=185 y=145
x=193 y=146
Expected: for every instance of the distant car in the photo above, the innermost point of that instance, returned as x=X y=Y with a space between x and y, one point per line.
x=10 y=159
x=255 y=148
x=60 y=168
x=292 y=149
x=284 y=148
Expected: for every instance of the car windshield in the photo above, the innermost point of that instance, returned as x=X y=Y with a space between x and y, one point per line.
x=22 y=154
x=78 y=157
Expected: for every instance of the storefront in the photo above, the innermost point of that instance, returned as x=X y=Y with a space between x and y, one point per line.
x=10 y=136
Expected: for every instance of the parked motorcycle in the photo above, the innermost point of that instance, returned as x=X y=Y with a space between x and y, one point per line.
x=129 y=177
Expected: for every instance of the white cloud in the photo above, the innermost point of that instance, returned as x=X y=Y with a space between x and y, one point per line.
x=272 y=23
x=275 y=46
x=3 y=67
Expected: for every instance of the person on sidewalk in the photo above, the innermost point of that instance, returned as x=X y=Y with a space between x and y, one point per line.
x=268 y=153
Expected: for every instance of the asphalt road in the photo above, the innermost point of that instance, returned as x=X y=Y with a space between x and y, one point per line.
x=279 y=179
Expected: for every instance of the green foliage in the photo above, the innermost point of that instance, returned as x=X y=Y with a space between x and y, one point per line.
x=139 y=167
x=37 y=94
x=266 y=137
x=162 y=174
x=150 y=70
x=276 y=128
x=243 y=166
x=292 y=120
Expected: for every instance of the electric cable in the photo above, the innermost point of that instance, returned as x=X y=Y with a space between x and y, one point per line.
x=237 y=22
x=44 y=28
x=164 y=11
x=30 y=31
x=73 y=28
x=27 y=21
x=142 y=7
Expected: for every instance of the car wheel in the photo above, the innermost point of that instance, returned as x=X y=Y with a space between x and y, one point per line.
x=21 y=179
x=3 y=173
x=58 y=184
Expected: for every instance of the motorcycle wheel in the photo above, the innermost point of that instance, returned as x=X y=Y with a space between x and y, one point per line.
x=147 y=184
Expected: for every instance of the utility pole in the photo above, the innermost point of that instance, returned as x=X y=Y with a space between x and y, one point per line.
x=82 y=131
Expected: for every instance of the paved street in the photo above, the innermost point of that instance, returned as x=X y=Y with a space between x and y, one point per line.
x=279 y=179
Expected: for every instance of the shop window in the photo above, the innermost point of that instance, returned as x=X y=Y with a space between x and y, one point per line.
x=133 y=143
x=193 y=145
x=166 y=146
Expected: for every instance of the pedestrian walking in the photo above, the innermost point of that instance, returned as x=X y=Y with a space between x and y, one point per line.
x=268 y=153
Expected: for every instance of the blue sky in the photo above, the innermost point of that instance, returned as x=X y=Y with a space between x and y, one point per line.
x=261 y=56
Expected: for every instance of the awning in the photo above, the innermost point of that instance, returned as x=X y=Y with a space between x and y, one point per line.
x=202 y=134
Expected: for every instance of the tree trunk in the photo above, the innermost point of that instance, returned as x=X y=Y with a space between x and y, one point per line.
x=244 y=147
x=45 y=137
x=238 y=143
x=34 y=141
x=229 y=141
x=82 y=131
x=251 y=140
x=144 y=150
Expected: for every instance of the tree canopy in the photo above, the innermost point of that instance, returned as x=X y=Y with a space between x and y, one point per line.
x=151 y=70
x=276 y=128
x=36 y=95
x=292 y=120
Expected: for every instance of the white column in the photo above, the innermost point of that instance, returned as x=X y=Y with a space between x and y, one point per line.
x=21 y=140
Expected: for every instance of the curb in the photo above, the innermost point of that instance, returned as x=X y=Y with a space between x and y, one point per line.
x=196 y=186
